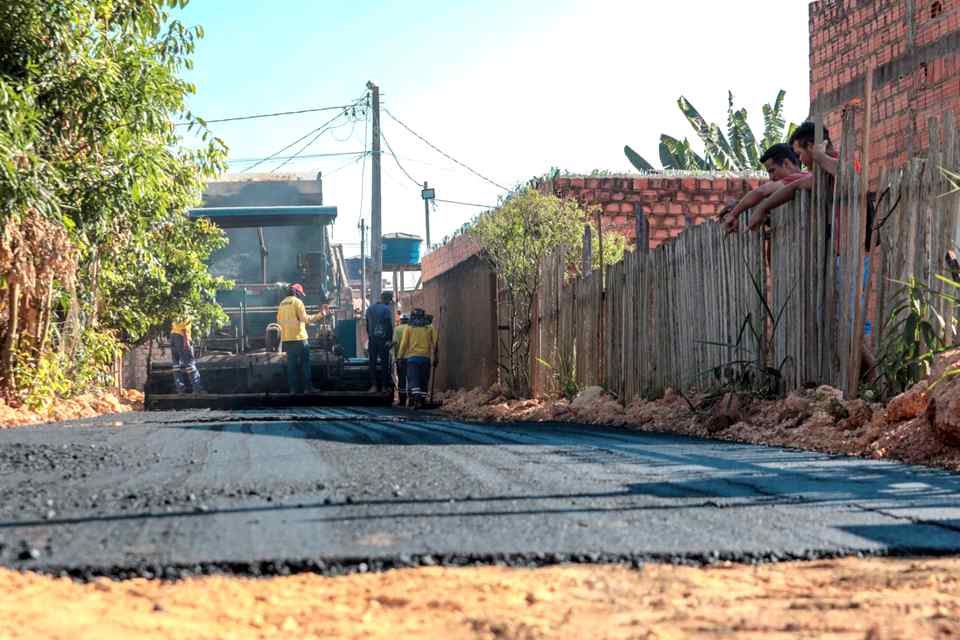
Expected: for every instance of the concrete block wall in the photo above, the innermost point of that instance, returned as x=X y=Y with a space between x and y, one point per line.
x=914 y=46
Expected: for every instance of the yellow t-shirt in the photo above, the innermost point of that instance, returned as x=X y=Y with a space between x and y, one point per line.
x=417 y=342
x=398 y=332
x=181 y=328
x=292 y=317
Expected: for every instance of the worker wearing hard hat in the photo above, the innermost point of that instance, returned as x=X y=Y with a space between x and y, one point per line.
x=401 y=363
x=417 y=347
x=293 y=319
x=181 y=352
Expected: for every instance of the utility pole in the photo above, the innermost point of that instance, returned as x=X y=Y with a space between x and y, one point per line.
x=376 y=232
x=426 y=214
x=363 y=267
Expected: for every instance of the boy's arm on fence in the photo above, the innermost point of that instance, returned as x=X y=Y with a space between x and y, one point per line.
x=748 y=201
x=827 y=162
x=781 y=196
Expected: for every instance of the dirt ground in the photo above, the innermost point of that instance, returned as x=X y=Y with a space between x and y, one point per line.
x=876 y=599
x=87 y=405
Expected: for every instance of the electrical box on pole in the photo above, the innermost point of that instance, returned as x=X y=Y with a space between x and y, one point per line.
x=428 y=194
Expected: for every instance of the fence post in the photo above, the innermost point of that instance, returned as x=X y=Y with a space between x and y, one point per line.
x=587 y=249
x=855 y=349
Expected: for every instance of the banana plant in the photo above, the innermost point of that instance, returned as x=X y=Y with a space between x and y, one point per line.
x=736 y=149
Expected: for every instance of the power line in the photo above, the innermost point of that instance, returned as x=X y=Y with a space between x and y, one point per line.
x=302 y=156
x=266 y=115
x=397 y=160
x=306 y=146
x=300 y=139
x=466 y=204
x=363 y=170
x=443 y=153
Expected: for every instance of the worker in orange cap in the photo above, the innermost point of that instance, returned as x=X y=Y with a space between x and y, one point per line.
x=293 y=319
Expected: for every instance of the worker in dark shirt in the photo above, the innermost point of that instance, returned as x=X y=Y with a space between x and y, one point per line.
x=380 y=338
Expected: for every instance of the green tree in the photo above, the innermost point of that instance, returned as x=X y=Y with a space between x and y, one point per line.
x=737 y=150
x=93 y=166
x=516 y=237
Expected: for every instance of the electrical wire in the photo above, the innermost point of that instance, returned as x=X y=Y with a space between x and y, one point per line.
x=397 y=160
x=306 y=146
x=466 y=204
x=303 y=156
x=300 y=139
x=343 y=111
x=443 y=153
x=265 y=115
x=363 y=170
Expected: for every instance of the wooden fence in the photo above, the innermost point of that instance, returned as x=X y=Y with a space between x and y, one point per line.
x=706 y=304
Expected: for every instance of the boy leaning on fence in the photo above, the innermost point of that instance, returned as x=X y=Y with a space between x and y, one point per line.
x=812 y=155
x=782 y=166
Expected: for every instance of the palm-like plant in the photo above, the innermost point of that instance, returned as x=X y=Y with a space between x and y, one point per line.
x=735 y=150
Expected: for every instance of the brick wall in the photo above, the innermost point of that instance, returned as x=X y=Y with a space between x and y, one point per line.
x=446 y=257
x=915 y=47
x=668 y=201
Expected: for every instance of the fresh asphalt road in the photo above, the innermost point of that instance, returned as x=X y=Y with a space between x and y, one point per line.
x=339 y=486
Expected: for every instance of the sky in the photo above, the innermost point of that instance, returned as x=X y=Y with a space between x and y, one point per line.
x=510 y=89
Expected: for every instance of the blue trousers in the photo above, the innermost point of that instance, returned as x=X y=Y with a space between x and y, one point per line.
x=418 y=375
x=184 y=365
x=298 y=365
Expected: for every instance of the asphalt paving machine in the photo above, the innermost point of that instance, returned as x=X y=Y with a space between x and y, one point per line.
x=279 y=234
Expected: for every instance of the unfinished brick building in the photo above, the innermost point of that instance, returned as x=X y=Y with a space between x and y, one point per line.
x=914 y=48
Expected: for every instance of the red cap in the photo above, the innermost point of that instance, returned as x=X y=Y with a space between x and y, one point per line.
x=297 y=289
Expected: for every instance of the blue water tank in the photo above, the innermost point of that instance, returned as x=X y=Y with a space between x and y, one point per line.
x=401 y=249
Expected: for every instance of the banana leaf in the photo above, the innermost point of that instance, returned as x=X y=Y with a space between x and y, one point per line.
x=637 y=160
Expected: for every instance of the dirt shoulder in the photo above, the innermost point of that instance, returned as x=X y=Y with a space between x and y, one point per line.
x=875 y=599
x=88 y=405
x=921 y=426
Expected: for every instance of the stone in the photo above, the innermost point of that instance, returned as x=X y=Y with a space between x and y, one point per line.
x=860 y=414
x=908 y=405
x=943 y=406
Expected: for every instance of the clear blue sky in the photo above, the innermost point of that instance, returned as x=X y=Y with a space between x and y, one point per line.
x=509 y=88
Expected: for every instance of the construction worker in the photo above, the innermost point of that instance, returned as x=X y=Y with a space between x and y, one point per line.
x=380 y=336
x=293 y=319
x=417 y=348
x=181 y=352
x=401 y=363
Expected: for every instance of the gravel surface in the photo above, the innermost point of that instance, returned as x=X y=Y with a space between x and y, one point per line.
x=352 y=490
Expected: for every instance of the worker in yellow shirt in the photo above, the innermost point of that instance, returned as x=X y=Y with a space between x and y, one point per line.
x=293 y=319
x=401 y=363
x=417 y=347
x=181 y=353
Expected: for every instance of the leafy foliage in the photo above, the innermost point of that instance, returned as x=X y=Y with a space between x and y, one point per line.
x=737 y=149
x=89 y=98
x=914 y=335
x=516 y=237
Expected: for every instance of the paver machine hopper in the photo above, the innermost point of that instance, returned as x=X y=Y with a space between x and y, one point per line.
x=279 y=234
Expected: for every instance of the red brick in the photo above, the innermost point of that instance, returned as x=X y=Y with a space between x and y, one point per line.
x=612 y=208
x=675 y=208
x=639 y=184
x=577 y=183
x=626 y=207
x=689 y=184
x=593 y=183
x=562 y=182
